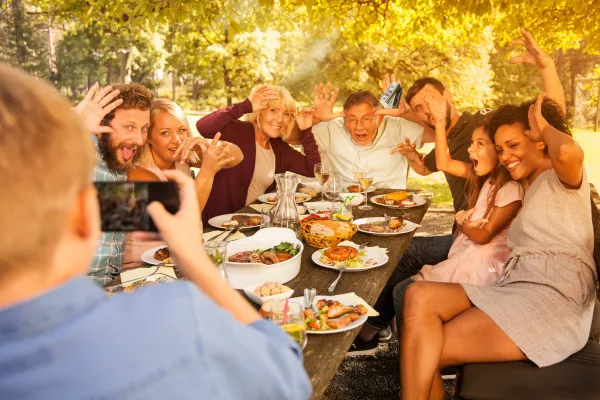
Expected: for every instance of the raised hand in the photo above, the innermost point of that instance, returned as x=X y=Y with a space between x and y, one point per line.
x=437 y=109
x=387 y=81
x=537 y=122
x=533 y=54
x=261 y=96
x=304 y=119
x=95 y=106
x=408 y=150
x=324 y=100
x=215 y=156
x=402 y=108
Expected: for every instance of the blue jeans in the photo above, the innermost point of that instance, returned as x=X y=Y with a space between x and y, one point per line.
x=422 y=250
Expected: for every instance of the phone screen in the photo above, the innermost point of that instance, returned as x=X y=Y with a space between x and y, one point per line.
x=123 y=204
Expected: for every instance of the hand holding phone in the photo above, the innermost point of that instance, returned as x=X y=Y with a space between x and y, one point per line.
x=123 y=205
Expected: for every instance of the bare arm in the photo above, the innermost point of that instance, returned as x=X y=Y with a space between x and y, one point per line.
x=565 y=153
x=482 y=232
x=443 y=160
x=182 y=233
x=414 y=158
x=534 y=55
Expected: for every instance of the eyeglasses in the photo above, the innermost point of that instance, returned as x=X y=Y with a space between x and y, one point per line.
x=365 y=121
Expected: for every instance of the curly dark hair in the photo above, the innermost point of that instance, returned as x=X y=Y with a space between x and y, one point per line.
x=510 y=114
x=134 y=96
x=420 y=84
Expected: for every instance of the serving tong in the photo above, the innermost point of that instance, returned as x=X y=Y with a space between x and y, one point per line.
x=309 y=299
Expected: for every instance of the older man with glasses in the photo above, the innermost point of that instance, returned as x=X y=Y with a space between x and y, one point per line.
x=365 y=134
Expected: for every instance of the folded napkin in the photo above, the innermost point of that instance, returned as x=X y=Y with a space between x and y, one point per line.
x=209 y=235
x=346 y=298
x=130 y=276
x=352 y=244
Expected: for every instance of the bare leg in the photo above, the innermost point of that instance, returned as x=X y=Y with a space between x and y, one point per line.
x=441 y=328
x=426 y=306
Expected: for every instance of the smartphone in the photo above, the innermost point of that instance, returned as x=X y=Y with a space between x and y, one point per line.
x=391 y=97
x=123 y=204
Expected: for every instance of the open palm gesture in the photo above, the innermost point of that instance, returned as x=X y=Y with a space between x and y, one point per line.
x=437 y=109
x=95 y=106
x=261 y=96
x=533 y=54
x=537 y=122
x=324 y=100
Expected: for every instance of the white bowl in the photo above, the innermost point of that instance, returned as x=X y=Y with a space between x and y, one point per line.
x=358 y=198
x=249 y=290
x=241 y=275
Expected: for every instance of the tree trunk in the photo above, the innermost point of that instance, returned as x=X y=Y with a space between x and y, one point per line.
x=51 y=51
x=125 y=62
x=226 y=77
x=573 y=70
x=597 y=122
x=174 y=84
x=18 y=23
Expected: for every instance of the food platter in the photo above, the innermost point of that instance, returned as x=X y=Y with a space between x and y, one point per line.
x=220 y=220
x=354 y=324
x=372 y=253
x=271 y=198
x=415 y=201
x=407 y=226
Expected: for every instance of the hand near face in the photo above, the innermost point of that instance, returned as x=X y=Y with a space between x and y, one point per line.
x=408 y=150
x=95 y=106
x=402 y=108
x=324 y=99
x=304 y=119
x=533 y=54
x=537 y=122
x=261 y=96
x=437 y=109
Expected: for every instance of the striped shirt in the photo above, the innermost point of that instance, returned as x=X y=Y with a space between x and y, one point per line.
x=111 y=245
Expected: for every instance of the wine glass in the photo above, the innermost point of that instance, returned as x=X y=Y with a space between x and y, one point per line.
x=322 y=173
x=333 y=187
x=364 y=176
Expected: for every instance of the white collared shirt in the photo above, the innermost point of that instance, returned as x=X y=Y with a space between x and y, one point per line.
x=341 y=152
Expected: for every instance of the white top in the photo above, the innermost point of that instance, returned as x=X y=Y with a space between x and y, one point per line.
x=341 y=152
x=185 y=168
x=264 y=173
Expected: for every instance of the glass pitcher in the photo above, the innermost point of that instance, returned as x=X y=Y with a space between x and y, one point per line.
x=285 y=213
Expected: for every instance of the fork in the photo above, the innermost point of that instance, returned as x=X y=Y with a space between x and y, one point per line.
x=343 y=268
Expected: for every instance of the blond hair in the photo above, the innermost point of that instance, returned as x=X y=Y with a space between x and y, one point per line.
x=290 y=104
x=46 y=159
x=171 y=108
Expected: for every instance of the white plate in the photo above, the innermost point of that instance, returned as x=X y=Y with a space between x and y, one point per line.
x=369 y=190
x=219 y=220
x=418 y=201
x=315 y=206
x=375 y=253
x=148 y=255
x=349 y=327
x=407 y=226
x=303 y=197
x=209 y=235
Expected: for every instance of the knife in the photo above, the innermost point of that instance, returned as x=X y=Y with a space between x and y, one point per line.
x=237 y=228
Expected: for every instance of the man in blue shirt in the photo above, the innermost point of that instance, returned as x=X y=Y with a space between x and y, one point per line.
x=61 y=336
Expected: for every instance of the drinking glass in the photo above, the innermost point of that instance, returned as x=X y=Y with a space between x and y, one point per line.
x=266 y=216
x=333 y=187
x=290 y=320
x=217 y=252
x=341 y=211
x=322 y=173
x=364 y=176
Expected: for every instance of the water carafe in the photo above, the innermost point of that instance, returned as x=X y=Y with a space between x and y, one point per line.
x=285 y=213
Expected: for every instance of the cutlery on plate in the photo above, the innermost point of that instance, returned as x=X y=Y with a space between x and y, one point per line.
x=334 y=284
x=237 y=228
x=229 y=229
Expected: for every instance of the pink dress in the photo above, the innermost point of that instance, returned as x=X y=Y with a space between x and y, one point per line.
x=469 y=262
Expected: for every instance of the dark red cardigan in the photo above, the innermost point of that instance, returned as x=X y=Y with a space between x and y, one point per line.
x=230 y=187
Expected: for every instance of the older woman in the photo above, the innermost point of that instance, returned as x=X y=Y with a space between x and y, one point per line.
x=272 y=112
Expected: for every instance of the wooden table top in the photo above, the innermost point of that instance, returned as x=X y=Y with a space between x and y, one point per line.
x=324 y=353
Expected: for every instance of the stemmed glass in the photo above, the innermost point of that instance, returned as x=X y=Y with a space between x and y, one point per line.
x=364 y=176
x=322 y=173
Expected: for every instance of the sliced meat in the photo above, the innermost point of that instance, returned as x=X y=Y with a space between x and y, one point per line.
x=242 y=257
x=373 y=228
x=270 y=256
x=340 y=322
x=255 y=258
x=161 y=254
x=283 y=256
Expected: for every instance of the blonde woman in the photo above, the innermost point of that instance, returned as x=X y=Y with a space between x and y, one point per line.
x=272 y=114
x=169 y=138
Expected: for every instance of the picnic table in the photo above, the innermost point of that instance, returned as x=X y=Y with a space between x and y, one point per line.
x=324 y=353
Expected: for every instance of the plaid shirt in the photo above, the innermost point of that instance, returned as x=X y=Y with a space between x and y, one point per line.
x=111 y=245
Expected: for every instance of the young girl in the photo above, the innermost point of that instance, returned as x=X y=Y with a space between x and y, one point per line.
x=480 y=249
